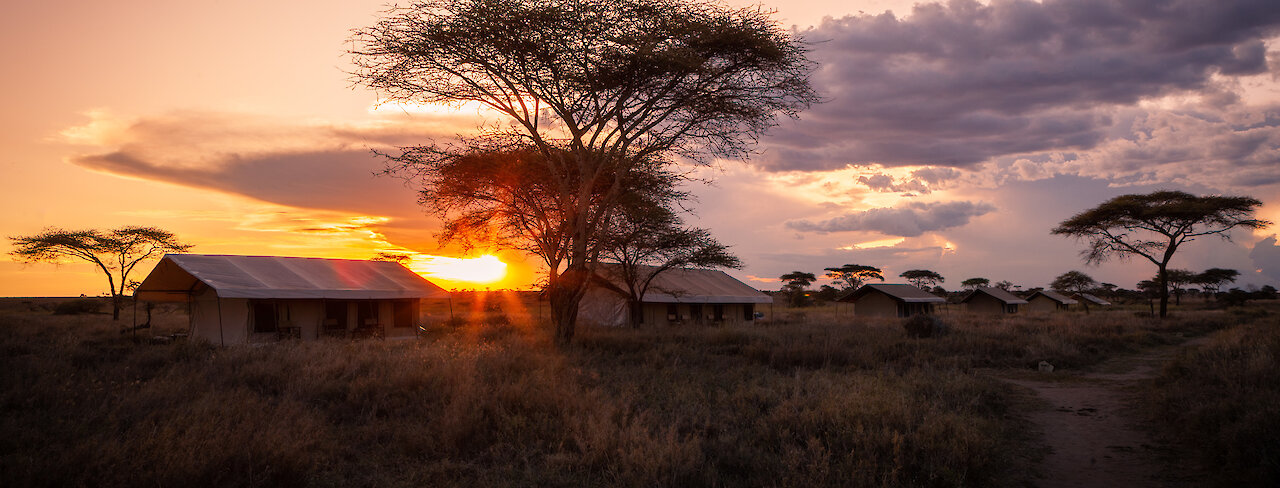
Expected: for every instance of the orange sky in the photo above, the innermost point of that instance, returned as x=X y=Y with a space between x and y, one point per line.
x=152 y=113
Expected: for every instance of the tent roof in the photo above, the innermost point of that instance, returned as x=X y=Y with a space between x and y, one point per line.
x=177 y=275
x=997 y=293
x=687 y=285
x=900 y=292
x=1055 y=296
x=1092 y=299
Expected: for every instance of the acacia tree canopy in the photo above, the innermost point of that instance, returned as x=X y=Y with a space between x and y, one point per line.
x=975 y=282
x=1154 y=225
x=1212 y=279
x=597 y=88
x=854 y=275
x=922 y=278
x=115 y=252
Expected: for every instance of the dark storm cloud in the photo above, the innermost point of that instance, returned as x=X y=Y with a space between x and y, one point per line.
x=909 y=220
x=1266 y=257
x=963 y=83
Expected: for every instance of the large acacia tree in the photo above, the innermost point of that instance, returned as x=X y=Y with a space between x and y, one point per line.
x=1154 y=225
x=115 y=252
x=595 y=88
x=852 y=276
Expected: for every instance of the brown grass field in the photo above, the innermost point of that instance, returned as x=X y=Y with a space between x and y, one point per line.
x=810 y=398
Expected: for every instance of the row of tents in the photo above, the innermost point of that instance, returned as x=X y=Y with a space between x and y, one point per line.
x=248 y=299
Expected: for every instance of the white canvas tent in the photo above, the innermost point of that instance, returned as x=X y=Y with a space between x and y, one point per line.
x=238 y=299
x=676 y=296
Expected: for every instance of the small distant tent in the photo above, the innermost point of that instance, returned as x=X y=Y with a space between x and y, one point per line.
x=1093 y=300
x=242 y=299
x=676 y=296
x=891 y=300
x=987 y=300
x=1049 y=301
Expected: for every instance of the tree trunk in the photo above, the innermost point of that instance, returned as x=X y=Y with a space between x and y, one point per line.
x=1164 y=290
x=116 y=304
x=635 y=313
x=565 y=294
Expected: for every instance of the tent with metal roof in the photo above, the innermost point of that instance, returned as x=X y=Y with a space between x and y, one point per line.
x=1049 y=301
x=675 y=296
x=236 y=299
x=985 y=299
x=891 y=300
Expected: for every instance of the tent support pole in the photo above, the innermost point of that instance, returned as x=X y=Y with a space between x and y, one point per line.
x=451 y=308
x=133 y=331
x=222 y=339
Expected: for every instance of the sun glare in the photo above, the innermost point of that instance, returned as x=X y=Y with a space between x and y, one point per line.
x=481 y=270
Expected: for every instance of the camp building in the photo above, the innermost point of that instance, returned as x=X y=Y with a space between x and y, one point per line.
x=891 y=300
x=247 y=299
x=677 y=296
x=988 y=300
x=1092 y=300
x=1049 y=301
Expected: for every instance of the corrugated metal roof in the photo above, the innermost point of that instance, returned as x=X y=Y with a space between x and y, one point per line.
x=687 y=285
x=1055 y=296
x=900 y=292
x=997 y=293
x=1092 y=299
x=284 y=277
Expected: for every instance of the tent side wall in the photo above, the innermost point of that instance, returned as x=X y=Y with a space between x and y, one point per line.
x=876 y=304
x=1043 y=304
x=985 y=304
x=230 y=325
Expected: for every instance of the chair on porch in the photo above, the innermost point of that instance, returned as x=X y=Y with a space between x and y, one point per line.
x=332 y=328
x=370 y=328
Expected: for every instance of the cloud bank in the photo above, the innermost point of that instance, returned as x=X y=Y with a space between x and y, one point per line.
x=909 y=220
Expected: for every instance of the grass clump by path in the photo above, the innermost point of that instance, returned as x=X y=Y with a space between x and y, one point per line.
x=1223 y=400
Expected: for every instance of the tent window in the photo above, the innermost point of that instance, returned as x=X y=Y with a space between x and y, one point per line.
x=264 y=316
x=367 y=310
x=336 y=311
x=748 y=311
x=696 y=311
x=717 y=313
x=404 y=313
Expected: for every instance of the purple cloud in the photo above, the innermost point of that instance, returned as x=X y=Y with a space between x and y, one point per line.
x=909 y=220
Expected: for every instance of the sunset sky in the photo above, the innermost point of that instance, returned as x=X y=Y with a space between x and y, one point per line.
x=953 y=136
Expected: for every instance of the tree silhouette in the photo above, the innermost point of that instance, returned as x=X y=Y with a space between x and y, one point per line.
x=854 y=275
x=922 y=278
x=975 y=282
x=794 y=285
x=115 y=252
x=1154 y=225
x=598 y=89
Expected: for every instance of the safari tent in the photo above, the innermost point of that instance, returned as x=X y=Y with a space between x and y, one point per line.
x=891 y=300
x=247 y=299
x=987 y=300
x=1049 y=301
x=675 y=297
x=1092 y=300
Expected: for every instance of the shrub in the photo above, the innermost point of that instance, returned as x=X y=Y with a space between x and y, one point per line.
x=921 y=326
x=78 y=306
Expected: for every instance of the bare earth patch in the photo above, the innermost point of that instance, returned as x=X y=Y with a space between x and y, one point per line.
x=1093 y=436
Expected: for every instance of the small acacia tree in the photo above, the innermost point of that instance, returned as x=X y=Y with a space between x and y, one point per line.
x=1154 y=225
x=1074 y=282
x=794 y=285
x=1211 y=280
x=596 y=88
x=922 y=278
x=852 y=276
x=975 y=282
x=115 y=252
x=647 y=239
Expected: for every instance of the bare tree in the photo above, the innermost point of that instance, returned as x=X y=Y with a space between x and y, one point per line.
x=596 y=88
x=1154 y=225
x=115 y=252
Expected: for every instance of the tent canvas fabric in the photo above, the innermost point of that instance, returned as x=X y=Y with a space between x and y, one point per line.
x=997 y=293
x=178 y=275
x=899 y=292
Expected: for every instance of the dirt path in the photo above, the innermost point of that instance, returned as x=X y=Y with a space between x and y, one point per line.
x=1093 y=439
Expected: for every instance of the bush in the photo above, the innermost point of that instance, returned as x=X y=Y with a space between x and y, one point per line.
x=921 y=326
x=78 y=307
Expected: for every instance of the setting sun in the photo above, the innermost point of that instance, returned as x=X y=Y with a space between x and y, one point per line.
x=480 y=270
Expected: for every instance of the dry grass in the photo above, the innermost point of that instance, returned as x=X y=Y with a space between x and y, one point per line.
x=488 y=401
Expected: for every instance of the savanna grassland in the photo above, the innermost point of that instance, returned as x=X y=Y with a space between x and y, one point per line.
x=813 y=398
